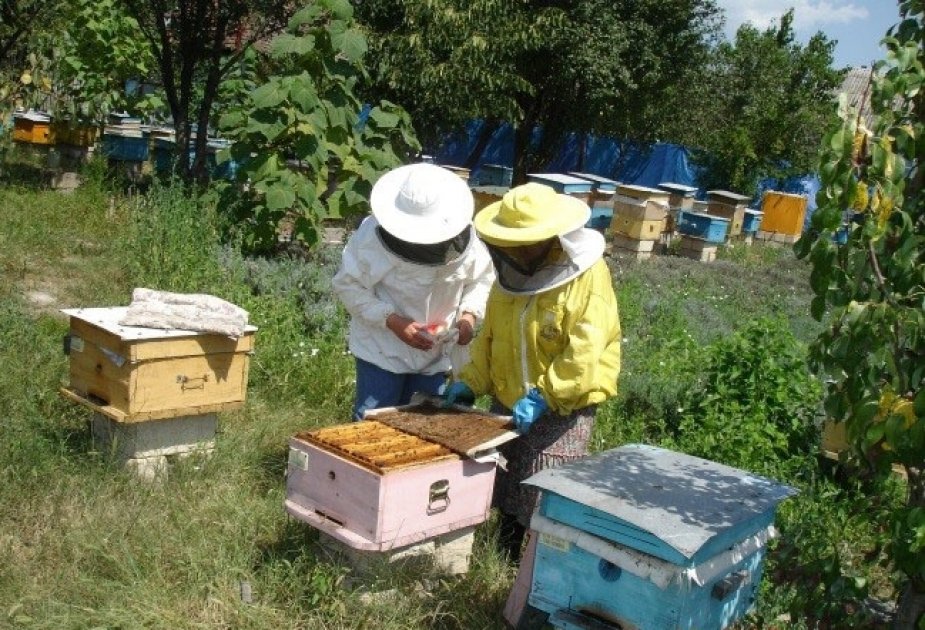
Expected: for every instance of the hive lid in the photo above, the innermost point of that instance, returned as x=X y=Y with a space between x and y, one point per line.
x=712 y=217
x=463 y=430
x=33 y=116
x=641 y=192
x=680 y=189
x=682 y=500
x=726 y=194
x=597 y=179
x=497 y=191
x=560 y=179
x=108 y=319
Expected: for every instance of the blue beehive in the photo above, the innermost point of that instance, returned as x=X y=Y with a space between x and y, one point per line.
x=566 y=184
x=751 y=221
x=126 y=148
x=705 y=226
x=647 y=538
x=601 y=217
x=600 y=184
x=495 y=175
x=125 y=139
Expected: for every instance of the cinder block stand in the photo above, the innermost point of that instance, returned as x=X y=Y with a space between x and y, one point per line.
x=144 y=447
x=449 y=553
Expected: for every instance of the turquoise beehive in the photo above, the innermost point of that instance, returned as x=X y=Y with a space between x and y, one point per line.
x=646 y=538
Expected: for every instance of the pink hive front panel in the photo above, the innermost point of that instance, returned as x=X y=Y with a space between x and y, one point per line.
x=366 y=509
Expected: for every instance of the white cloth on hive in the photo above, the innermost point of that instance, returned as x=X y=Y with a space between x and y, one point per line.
x=185 y=311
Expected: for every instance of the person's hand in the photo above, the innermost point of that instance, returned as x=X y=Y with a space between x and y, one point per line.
x=466 y=327
x=409 y=331
x=527 y=409
x=458 y=393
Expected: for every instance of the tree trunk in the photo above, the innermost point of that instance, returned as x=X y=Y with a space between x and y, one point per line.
x=488 y=130
x=910 y=609
x=582 y=147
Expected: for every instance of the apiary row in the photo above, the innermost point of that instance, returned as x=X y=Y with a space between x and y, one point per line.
x=642 y=220
x=122 y=139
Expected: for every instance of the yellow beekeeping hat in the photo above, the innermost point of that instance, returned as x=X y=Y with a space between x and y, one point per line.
x=529 y=214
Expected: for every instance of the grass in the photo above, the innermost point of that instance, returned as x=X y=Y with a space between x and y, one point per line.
x=87 y=545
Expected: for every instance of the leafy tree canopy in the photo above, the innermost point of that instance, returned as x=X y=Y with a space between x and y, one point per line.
x=304 y=151
x=196 y=44
x=600 y=66
x=872 y=289
x=766 y=103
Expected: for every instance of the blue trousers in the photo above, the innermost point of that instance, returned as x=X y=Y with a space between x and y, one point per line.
x=380 y=388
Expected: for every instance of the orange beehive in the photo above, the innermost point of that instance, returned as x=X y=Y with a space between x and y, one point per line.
x=33 y=128
x=783 y=213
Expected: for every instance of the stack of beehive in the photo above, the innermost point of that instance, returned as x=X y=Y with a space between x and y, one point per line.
x=155 y=393
x=728 y=205
x=602 y=192
x=680 y=198
x=644 y=537
x=564 y=184
x=783 y=217
x=404 y=482
x=639 y=215
x=495 y=175
x=125 y=139
x=751 y=223
x=701 y=234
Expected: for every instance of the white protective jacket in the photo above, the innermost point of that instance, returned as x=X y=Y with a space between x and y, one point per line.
x=372 y=283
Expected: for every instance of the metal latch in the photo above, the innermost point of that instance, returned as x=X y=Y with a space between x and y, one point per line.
x=439 y=494
x=186 y=381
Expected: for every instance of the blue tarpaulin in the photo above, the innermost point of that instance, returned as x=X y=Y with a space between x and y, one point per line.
x=660 y=163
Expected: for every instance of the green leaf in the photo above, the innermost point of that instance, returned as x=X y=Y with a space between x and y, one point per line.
x=303 y=94
x=268 y=95
x=279 y=197
x=350 y=43
x=817 y=307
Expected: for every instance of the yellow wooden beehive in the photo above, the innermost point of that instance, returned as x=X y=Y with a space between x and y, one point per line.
x=75 y=134
x=783 y=213
x=33 y=128
x=135 y=374
x=639 y=212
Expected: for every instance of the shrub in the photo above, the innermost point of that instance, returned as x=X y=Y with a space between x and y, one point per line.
x=754 y=402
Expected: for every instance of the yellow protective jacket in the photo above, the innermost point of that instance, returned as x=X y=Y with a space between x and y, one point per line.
x=564 y=341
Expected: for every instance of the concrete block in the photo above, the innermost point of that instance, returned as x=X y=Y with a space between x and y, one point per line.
x=154 y=438
x=449 y=554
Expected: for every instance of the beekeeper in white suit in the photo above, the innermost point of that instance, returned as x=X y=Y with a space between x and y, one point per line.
x=414 y=278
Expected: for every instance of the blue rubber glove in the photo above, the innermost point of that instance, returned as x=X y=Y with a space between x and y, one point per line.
x=458 y=393
x=528 y=409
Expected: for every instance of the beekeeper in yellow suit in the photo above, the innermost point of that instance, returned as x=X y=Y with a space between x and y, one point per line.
x=549 y=348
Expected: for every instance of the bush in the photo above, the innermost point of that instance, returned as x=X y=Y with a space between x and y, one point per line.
x=754 y=402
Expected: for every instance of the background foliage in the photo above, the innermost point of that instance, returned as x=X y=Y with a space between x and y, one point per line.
x=303 y=148
x=871 y=290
